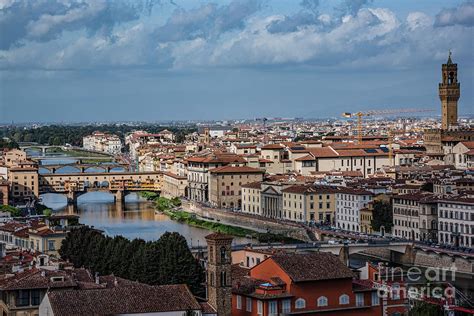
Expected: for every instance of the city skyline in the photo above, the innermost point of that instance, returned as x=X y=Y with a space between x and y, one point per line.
x=188 y=60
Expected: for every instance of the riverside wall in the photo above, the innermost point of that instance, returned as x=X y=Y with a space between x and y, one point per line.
x=257 y=223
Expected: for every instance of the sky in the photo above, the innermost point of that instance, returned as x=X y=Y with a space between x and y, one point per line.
x=154 y=60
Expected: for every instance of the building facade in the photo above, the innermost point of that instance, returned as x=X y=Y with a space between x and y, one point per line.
x=349 y=203
x=103 y=142
x=225 y=184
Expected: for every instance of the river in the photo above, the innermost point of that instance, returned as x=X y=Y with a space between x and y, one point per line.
x=134 y=218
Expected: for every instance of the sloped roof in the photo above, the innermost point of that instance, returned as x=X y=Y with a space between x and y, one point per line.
x=123 y=300
x=312 y=266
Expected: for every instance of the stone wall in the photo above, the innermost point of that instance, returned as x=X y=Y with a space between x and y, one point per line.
x=249 y=221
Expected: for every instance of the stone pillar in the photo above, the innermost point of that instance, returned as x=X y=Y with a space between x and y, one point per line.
x=119 y=195
x=344 y=254
x=71 y=197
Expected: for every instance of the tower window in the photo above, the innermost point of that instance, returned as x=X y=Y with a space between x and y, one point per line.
x=223 y=254
x=451 y=78
x=223 y=278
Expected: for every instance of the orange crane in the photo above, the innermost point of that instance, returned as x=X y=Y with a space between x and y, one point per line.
x=361 y=114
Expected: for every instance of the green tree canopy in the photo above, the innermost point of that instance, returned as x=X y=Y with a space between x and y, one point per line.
x=165 y=261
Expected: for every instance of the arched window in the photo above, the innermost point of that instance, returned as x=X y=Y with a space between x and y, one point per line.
x=322 y=301
x=344 y=299
x=223 y=254
x=223 y=278
x=300 y=303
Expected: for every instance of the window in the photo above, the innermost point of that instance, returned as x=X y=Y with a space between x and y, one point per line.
x=396 y=292
x=344 y=299
x=272 y=308
x=259 y=307
x=223 y=254
x=35 y=297
x=322 y=301
x=22 y=298
x=300 y=303
x=223 y=278
x=286 y=306
x=359 y=299
x=248 y=304
x=239 y=302
x=375 y=298
x=51 y=245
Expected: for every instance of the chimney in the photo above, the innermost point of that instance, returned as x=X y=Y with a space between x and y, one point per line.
x=43 y=273
x=97 y=278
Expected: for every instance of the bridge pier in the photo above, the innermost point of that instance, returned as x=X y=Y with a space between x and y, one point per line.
x=72 y=198
x=344 y=254
x=43 y=151
x=119 y=196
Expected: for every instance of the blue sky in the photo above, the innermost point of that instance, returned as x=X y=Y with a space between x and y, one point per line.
x=99 y=60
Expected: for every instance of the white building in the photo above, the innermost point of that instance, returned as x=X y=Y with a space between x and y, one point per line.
x=102 y=142
x=462 y=154
x=349 y=202
x=456 y=221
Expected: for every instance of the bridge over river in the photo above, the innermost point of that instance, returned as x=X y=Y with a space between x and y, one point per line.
x=120 y=184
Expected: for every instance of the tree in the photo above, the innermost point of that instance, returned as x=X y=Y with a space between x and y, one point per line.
x=382 y=216
x=425 y=309
x=166 y=261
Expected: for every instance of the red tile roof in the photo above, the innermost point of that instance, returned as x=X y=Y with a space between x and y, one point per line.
x=232 y=169
x=123 y=300
x=312 y=266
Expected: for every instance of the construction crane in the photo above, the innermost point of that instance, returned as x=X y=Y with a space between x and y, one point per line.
x=360 y=115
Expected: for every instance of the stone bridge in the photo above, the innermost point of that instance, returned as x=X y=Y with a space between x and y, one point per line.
x=118 y=183
x=82 y=167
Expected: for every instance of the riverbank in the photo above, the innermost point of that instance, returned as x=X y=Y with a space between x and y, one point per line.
x=192 y=220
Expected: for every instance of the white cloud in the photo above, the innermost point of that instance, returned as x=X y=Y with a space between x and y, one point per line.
x=370 y=37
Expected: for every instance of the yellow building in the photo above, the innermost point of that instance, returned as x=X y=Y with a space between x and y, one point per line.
x=225 y=184
x=309 y=203
x=173 y=185
x=366 y=216
x=23 y=182
x=251 y=198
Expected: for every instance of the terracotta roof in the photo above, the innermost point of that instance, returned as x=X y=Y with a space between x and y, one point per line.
x=123 y=300
x=305 y=158
x=469 y=145
x=273 y=146
x=232 y=169
x=309 y=188
x=312 y=266
x=219 y=236
x=37 y=279
x=323 y=152
x=253 y=185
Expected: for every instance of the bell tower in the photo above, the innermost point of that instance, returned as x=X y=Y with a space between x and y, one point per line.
x=219 y=279
x=449 y=93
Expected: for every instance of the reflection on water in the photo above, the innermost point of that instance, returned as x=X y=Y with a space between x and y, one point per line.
x=135 y=218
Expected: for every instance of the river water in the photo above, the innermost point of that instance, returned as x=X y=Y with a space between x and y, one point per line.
x=133 y=218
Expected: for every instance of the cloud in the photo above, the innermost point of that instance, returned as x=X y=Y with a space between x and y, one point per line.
x=238 y=34
x=45 y=20
x=351 y=7
x=206 y=21
x=462 y=15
